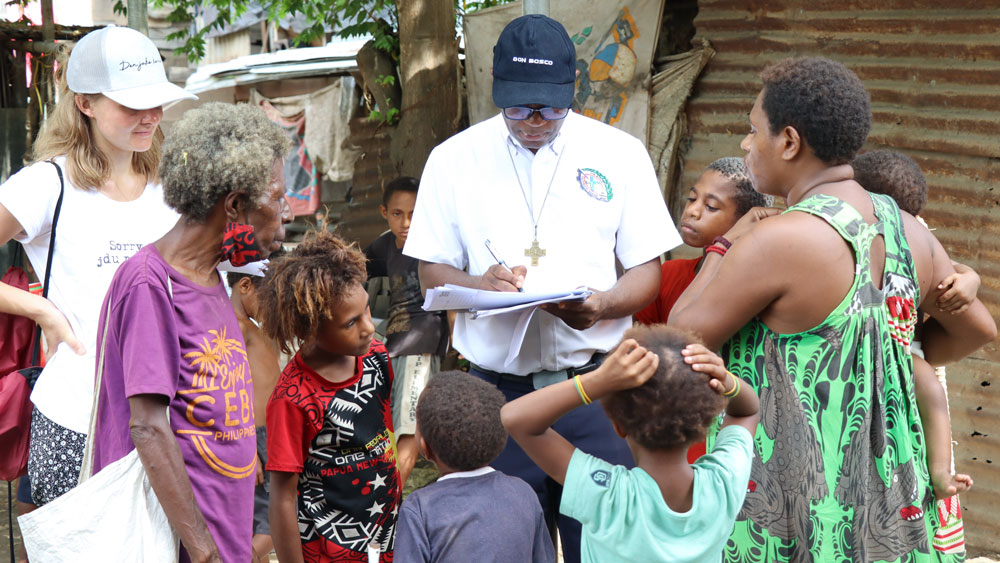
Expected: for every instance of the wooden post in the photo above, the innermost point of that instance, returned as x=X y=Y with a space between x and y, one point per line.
x=428 y=71
x=137 y=19
x=40 y=90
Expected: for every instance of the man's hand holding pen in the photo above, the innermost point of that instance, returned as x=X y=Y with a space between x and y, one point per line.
x=500 y=278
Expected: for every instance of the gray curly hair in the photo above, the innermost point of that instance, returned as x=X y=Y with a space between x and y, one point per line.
x=216 y=149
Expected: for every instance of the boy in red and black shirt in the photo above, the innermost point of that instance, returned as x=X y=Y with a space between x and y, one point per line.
x=331 y=450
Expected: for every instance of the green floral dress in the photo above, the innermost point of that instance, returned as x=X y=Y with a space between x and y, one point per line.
x=839 y=471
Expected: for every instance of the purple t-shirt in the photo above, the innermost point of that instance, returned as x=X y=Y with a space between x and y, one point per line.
x=169 y=336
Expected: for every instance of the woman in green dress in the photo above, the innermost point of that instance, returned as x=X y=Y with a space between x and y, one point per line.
x=816 y=307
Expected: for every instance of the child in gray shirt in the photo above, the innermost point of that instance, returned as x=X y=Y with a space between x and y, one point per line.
x=472 y=513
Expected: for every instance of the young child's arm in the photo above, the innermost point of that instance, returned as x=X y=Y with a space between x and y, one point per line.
x=960 y=288
x=530 y=418
x=283 y=516
x=743 y=408
x=933 y=407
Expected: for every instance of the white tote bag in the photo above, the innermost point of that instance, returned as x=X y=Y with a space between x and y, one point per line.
x=113 y=516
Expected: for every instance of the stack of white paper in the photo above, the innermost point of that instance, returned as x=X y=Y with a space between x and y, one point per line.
x=483 y=303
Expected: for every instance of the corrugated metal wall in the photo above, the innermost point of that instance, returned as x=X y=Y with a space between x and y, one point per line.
x=227 y=47
x=933 y=70
x=358 y=218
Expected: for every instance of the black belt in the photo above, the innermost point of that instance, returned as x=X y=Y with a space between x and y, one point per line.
x=595 y=362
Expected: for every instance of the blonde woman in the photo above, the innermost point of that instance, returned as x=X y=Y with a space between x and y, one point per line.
x=104 y=137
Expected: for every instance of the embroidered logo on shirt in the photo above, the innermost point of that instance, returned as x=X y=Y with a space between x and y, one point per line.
x=601 y=477
x=594 y=183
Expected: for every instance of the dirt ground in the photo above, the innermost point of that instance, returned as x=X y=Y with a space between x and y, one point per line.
x=424 y=473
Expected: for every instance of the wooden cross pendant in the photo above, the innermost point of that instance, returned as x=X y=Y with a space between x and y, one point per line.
x=535 y=252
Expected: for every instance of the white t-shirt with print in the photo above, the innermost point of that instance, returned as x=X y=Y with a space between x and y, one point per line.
x=94 y=235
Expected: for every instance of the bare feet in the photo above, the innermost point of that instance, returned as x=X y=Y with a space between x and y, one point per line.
x=947 y=485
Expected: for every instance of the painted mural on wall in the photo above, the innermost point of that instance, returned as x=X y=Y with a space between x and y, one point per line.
x=603 y=85
x=615 y=42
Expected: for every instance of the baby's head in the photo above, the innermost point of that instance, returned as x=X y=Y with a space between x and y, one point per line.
x=674 y=408
x=458 y=421
x=722 y=194
x=894 y=174
x=314 y=294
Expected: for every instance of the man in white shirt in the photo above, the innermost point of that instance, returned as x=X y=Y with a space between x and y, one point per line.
x=566 y=196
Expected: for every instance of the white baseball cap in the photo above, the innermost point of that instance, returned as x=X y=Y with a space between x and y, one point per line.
x=124 y=65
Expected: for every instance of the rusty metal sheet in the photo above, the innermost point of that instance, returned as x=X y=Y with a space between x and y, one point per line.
x=933 y=72
x=357 y=215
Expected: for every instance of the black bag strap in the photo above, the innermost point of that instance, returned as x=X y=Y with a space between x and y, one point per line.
x=36 y=353
x=17 y=254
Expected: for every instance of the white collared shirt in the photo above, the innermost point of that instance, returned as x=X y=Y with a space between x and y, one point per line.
x=605 y=203
x=470 y=473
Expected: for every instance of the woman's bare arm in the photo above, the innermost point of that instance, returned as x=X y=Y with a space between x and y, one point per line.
x=14 y=301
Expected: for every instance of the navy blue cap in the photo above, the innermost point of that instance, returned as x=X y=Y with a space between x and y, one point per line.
x=534 y=62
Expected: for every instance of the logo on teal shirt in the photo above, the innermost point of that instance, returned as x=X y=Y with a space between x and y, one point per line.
x=601 y=477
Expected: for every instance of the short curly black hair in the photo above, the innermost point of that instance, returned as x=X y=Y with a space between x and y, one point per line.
x=735 y=170
x=458 y=415
x=894 y=174
x=823 y=100
x=401 y=184
x=676 y=405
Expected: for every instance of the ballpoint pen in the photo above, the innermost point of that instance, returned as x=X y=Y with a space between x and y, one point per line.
x=499 y=261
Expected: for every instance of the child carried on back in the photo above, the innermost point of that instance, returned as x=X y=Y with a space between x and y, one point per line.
x=896 y=175
x=661 y=389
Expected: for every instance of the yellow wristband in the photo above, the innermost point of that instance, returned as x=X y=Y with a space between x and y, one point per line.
x=736 y=387
x=579 y=389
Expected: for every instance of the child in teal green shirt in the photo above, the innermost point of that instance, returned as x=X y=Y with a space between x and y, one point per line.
x=661 y=389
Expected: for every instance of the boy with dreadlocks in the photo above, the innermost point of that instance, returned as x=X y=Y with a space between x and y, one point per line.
x=715 y=203
x=331 y=450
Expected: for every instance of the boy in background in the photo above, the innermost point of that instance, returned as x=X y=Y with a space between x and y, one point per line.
x=415 y=339
x=661 y=389
x=717 y=200
x=262 y=355
x=473 y=512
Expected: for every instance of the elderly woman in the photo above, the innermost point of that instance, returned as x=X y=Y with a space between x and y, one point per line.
x=176 y=384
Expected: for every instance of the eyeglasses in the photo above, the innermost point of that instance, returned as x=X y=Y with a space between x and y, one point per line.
x=520 y=113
